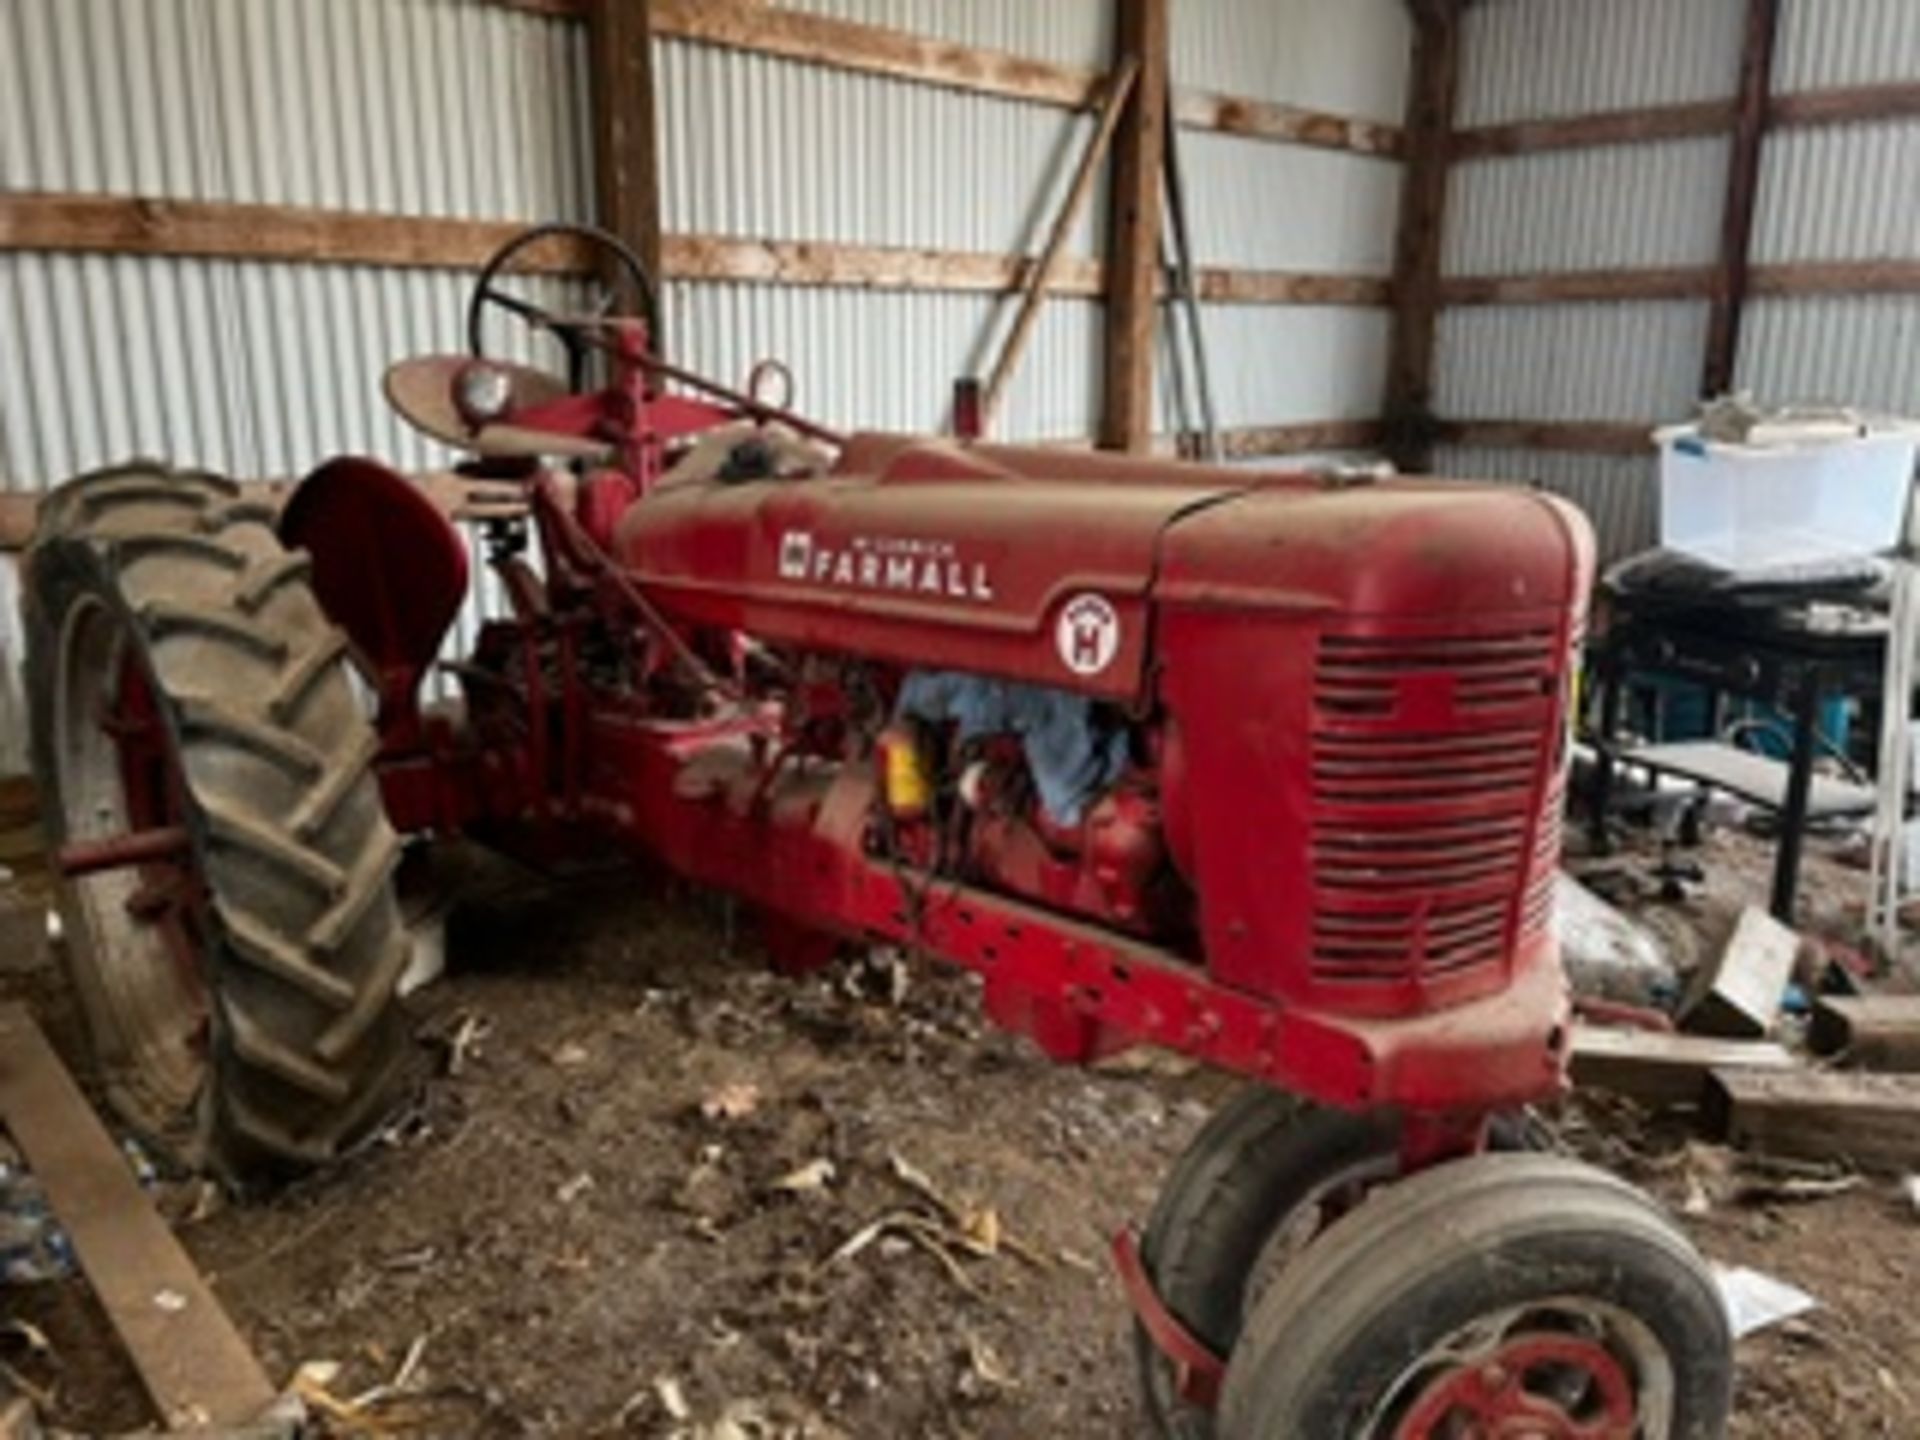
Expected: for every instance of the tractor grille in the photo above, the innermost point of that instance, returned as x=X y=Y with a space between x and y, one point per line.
x=1426 y=763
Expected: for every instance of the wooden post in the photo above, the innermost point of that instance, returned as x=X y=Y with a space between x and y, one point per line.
x=1734 y=271
x=1435 y=84
x=1133 y=230
x=626 y=163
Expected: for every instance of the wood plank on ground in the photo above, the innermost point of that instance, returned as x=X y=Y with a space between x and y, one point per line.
x=1661 y=1069
x=193 y=1362
x=1870 y=1121
x=1873 y=1032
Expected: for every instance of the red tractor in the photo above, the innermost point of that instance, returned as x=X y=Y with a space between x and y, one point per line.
x=1263 y=768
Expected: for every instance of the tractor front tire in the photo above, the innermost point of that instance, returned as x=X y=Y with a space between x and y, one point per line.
x=1499 y=1295
x=192 y=708
x=1260 y=1168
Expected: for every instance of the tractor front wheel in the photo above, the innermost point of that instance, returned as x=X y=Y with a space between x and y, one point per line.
x=226 y=866
x=1505 y=1295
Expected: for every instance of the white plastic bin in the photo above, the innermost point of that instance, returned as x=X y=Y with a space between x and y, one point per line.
x=1806 y=497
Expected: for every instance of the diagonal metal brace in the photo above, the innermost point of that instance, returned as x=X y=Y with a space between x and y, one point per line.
x=1198 y=1372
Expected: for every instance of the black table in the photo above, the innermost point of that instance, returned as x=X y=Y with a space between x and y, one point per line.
x=1787 y=655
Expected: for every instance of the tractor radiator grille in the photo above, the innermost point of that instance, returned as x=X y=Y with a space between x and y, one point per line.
x=1427 y=769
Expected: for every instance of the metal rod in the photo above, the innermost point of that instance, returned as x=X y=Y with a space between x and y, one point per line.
x=136 y=847
x=1187 y=293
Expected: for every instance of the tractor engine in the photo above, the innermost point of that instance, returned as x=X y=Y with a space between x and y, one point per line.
x=1306 y=732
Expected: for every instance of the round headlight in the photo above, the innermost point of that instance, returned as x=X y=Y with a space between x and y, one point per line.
x=482 y=392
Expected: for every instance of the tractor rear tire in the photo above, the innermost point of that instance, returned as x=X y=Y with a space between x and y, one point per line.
x=1503 y=1294
x=253 y=1030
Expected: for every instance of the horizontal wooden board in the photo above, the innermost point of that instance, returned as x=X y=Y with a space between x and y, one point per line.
x=1270 y=120
x=1871 y=1121
x=1591 y=437
x=1662 y=1068
x=1837 y=106
x=1812 y=277
x=116 y=224
x=1679 y=283
x=136 y=225
x=1606 y=127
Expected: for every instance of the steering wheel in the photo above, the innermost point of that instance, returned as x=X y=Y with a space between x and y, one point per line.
x=627 y=265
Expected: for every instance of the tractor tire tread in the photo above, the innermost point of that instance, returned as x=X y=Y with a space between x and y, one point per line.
x=310 y=1041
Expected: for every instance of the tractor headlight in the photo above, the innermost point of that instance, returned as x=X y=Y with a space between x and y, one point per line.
x=482 y=392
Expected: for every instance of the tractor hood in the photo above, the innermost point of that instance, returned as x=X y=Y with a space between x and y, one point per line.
x=980 y=559
x=937 y=561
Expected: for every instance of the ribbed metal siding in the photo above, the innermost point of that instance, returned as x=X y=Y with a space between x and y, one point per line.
x=1860 y=350
x=1825 y=43
x=1570 y=362
x=1619 y=494
x=1616 y=205
x=1064 y=32
x=1297 y=363
x=756 y=146
x=887 y=360
x=415 y=107
x=1529 y=59
x=1257 y=205
x=1347 y=59
x=1847 y=192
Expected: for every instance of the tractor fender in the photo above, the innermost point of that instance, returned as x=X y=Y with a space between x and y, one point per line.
x=388 y=567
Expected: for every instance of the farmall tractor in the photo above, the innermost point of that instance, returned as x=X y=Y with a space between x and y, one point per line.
x=1266 y=769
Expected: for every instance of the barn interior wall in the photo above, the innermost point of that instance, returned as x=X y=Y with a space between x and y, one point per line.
x=1840 y=193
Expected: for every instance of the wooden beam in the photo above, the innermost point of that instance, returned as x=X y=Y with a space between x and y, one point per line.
x=1269 y=120
x=865 y=267
x=1133 y=230
x=1662 y=1069
x=626 y=162
x=1849 y=105
x=873 y=50
x=113 y=224
x=1874 y=1032
x=1250 y=442
x=1606 y=127
x=1587 y=437
x=1678 y=283
x=1285 y=287
x=192 y=1361
x=1837 y=277
x=1871 y=1121
x=1423 y=201
x=131 y=225
x=1728 y=306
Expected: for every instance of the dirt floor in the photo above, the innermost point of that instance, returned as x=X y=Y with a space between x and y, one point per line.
x=643 y=1200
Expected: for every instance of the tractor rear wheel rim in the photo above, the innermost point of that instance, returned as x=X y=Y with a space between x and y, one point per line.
x=1561 y=1370
x=121 y=789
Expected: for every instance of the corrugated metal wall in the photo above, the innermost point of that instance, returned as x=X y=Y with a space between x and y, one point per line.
x=413 y=107
x=1606 y=207
x=1841 y=193
x=1845 y=193
x=1257 y=205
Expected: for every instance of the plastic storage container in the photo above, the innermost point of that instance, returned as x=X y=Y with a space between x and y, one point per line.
x=1805 y=497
